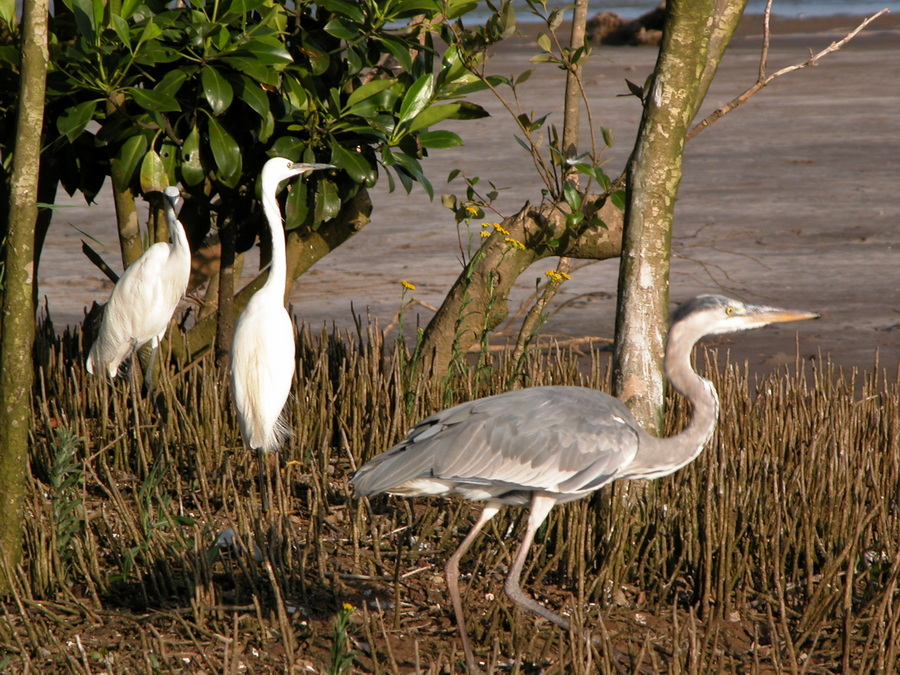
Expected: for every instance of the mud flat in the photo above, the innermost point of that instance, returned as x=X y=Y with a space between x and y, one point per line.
x=791 y=199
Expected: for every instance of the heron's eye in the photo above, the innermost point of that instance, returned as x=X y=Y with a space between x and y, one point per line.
x=729 y=310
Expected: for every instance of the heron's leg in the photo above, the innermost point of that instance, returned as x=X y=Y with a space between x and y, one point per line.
x=452 y=572
x=540 y=508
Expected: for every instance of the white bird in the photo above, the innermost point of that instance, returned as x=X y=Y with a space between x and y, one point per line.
x=145 y=298
x=544 y=446
x=262 y=349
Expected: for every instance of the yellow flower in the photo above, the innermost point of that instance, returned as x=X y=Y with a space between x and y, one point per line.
x=408 y=286
x=472 y=209
x=500 y=229
x=515 y=243
x=557 y=276
x=348 y=607
x=485 y=234
x=486 y=224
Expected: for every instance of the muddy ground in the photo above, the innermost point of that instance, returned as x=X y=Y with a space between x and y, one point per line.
x=791 y=199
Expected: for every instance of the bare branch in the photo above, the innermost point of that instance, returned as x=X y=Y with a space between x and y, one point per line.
x=766 y=79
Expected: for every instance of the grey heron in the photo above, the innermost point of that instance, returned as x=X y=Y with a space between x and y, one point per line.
x=262 y=349
x=543 y=446
x=145 y=298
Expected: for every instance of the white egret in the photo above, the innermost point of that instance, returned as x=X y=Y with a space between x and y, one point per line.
x=545 y=446
x=145 y=298
x=262 y=349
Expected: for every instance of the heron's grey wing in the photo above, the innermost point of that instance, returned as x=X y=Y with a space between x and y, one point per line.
x=557 y=439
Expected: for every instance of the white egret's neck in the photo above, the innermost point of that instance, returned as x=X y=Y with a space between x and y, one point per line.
x=176 y=230
x=276 y=281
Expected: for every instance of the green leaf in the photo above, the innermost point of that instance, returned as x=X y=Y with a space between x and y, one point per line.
x=270 y=52
x=126 y=160
x=123 y=32
x=296 y=94
x=129 y=7
x=353 y=163
x=439 y=139
x=607 y=136
x=456 y=8
x=328 y=200
x=191 y=167
x=434 y=114
x=216 y=89
x=186 y=521
x=8 y=13
x=470 y=111
x=171 y=82
x=573 y=196
x=544 y=43
x=349 y=9
x=149 y=34
x=399 y=49
x=413 y=169
x=74 y=120
x=252 y=68
x=226 y=153
x=618 y=199
x=417 y=97
x=635 y=89
x=319 y=59
x=153 y=173
x=343 y=29
x=83 y=10
x=168 y=153
x=368 y=90
x=574 y=219
x=154 y=101
x=288 y=146
x=296 y=207
x=253 y=95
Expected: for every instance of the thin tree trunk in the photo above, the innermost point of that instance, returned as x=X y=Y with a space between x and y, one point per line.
x=16 y=370
x=225 y=307
x=572 y=112
x=124 y=201
x=694 y=38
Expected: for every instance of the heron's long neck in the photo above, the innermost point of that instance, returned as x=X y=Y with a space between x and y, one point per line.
x=662 y=456
x=275 y=283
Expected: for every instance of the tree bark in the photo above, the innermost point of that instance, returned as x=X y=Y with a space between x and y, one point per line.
x=477 y=302
x=225 y=306
x=18 y=320
x=695 y=36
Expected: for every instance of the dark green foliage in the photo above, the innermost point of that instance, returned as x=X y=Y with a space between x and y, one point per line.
x=154 y=94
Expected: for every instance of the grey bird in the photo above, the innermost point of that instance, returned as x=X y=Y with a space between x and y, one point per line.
x=543 y=446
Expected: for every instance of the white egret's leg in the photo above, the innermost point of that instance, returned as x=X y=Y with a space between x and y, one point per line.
x=452 y=573
x=263 y=479
x=148 y=374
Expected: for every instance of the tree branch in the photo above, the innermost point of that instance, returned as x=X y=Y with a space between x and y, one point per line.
x=764 y=79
